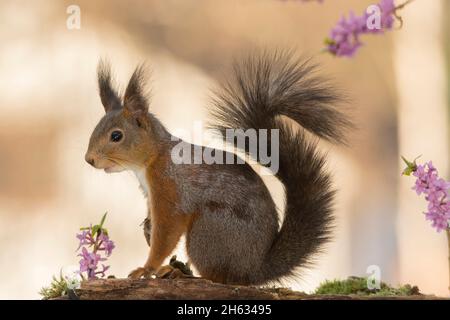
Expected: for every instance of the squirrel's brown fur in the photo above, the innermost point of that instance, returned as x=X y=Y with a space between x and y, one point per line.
x=225 y=210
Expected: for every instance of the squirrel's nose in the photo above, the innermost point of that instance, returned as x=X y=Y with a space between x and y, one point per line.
x=89 y=159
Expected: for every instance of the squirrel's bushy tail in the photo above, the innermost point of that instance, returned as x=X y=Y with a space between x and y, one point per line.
x=263 y=88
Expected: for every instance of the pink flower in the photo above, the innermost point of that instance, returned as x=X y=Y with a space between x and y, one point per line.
x=101 y=273
x=387 y=8
x=96 y=239
x=438 y=221
x=89 y=262
x=426 y=174
x=344 y=39
x=436 y=192
x=106 y=244
x=85 y=238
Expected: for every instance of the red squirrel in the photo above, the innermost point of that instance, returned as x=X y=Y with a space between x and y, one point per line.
x=231 y=224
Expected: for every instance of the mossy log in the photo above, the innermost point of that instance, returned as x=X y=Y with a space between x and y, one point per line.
x=199 y=289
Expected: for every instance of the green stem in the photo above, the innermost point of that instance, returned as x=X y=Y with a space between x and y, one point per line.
x=401 y=6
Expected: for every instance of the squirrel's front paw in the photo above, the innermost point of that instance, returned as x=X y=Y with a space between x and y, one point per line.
x=141 y=272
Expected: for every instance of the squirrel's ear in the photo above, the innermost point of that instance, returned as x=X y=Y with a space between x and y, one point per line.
x=135 y=99
x=108 y=95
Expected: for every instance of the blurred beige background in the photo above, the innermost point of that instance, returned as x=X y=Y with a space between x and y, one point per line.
x=398 y=84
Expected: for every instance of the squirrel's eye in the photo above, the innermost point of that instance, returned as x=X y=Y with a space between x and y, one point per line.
x=116 y=136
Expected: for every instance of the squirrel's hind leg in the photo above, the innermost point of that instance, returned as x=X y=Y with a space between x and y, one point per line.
x=226 y=246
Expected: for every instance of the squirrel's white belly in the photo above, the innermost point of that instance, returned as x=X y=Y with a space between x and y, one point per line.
x=142 y=177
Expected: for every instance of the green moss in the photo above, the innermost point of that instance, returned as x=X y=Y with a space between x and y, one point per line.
x=358 y=286
x=57 y=288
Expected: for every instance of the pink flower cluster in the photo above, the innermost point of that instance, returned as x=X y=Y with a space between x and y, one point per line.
x=344 y=39
x=96 y=239
x=436 y=191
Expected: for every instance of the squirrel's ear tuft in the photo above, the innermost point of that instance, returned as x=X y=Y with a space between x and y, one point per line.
x=136 y=98
x=108 y=95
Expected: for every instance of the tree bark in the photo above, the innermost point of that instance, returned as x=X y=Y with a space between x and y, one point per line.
x=198 y=289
